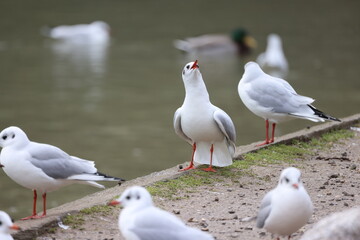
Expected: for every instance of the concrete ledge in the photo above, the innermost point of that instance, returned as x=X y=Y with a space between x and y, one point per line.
x=33 y=228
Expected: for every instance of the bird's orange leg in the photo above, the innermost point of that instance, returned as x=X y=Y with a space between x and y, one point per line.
x=44 y=208
x=267 y=140
x=34 y=208
x=273 y=133
x=210 y=169
x=191 y=166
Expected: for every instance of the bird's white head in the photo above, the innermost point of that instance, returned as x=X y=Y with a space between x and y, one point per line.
x=134 y=197
x=291 y=177
x=274 y=41
x=191 y=71
x=6 y=223
x=13 y=136
x=252 y=71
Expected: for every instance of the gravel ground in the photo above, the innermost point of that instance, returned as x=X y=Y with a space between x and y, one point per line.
x=331 y=177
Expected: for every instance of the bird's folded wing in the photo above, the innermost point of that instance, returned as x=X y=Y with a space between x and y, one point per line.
x=225 y=124
x=57 y=163
x=264 y=210
x=178 y=128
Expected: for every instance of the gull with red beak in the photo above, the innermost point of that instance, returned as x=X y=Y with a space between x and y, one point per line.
x=287 y=208
x=6 y=225
x=206 y=127
x=43 y=167
x=141 y=220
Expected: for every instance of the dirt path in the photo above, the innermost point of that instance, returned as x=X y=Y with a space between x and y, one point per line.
x=330 y=173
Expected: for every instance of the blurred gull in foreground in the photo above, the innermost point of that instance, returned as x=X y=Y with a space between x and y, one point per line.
x=287 y=208
x=141 y=220
x=6 y=225
x=338 y=226
x=206 y=127
x=239 y=42
x=273 y=60
x=42 y=167
x=275 y=100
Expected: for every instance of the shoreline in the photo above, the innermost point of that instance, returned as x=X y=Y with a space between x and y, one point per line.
x=34 y=228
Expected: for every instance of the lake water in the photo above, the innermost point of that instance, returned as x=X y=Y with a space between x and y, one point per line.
x=114 y=104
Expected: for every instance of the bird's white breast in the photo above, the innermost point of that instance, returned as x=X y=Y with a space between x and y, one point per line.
x=24 y=173
x=198 y=123
x=290 y=210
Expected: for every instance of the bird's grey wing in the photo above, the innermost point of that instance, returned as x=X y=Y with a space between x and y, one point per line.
x=225 y=124
x=264 y=211
x=56 y=163
x=277 y=95
x=177 y=126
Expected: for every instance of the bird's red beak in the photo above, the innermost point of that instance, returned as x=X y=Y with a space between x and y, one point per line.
x=295 y=185
x=113 y=203
x=15 y=227
x=195 y=65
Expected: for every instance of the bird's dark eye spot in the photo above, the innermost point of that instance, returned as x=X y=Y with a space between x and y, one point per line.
x=0 y=223
x=13 y=135
x=138 y=197
x=287 y=180
x=4 y=137
x=183 y=72
x=188 y=66
x=128 y=197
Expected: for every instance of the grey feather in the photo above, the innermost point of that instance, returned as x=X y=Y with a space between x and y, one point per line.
x=225 y=124
x=278 y=95
x=264 y=211
x=178 y=128
x=57 y=163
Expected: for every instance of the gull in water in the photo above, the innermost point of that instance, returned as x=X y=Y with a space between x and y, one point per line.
x=97 y=31
x=206 y=127
x=6 y=225
x=287 y=208
x=141 y=220
x=273 y=60
x=43 y=167
x=239 y=41
x=275 y=100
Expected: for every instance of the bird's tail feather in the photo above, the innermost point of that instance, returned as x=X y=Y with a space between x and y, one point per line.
x=221 y=155
x=321 y=114
x=94 y=177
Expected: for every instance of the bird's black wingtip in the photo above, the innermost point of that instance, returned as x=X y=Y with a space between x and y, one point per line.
x=323 y=115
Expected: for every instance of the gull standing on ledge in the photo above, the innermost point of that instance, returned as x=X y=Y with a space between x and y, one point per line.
x=206 y=127
x=275 y=100
x=141 y=220
x=42 y=167
x=6 y=225
x=288 y=207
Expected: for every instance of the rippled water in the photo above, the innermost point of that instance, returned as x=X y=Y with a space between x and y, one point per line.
x=114 y=103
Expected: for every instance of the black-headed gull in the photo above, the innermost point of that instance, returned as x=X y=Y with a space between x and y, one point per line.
x=6 y=225
x=141 y=220
x=275 y=100
x=97 y=31
x=273 y=60
x=288 y=207
x=42 y=167
x=239 y=42
x=206 y=127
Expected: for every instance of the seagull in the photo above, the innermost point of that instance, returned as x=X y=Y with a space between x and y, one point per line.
x=337 y=226
x=239 y=42
x=288 y=207
x=98 y=31
x=275 y=100
x=6 y=225
x=43 y=167
x=141 y=220
x=206 y=127
x=274 y=58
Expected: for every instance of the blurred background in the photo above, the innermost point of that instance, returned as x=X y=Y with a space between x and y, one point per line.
x=113 y=102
